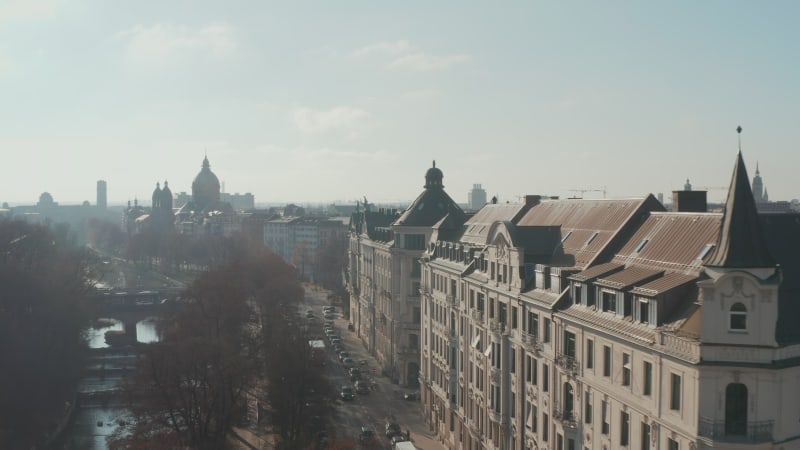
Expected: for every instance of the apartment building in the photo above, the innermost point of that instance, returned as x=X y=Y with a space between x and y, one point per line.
x=384 y=282
x=606 y=324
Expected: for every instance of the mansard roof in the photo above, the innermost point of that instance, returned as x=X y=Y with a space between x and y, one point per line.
x=588 y=226
x=429 y=208
x=741 y=243
x=672 y=241
x=478 y=228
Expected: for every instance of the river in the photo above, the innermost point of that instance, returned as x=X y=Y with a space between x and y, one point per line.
x=98 y=415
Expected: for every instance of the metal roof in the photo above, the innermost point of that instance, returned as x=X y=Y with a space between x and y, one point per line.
x=663 y=284
x=628 y=277
x=476 y=229
x=671 y=241
x=741 y=243
x=597 y=271
x=580 y=220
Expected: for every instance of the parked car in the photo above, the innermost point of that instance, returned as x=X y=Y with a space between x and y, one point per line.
x=346 y=393
x=337 y=347
x=411 y=396
x=366 y=435
x=362 y=387
x=393 y=429
x=343 y=354
x=348 y=363
x=355 y=374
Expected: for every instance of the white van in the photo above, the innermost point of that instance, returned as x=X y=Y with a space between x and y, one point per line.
x=404 y=446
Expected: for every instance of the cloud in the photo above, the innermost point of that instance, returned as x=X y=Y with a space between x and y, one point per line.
x=423 y=62
x=404 y=56
x=383 y=48
x=24 y=9
x=313 y=121
x=162 y=42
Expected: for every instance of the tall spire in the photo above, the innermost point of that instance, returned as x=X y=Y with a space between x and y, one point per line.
x=740 y=244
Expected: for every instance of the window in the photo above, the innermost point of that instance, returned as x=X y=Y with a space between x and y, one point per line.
x=705 y=251
x=672 y=444
x=738 y=318
x=606 y=361
x=546 y=337
x=512 y=363
x=533 y=324
x=569 y=344
x=647 y=388
x=645 y=436
x=604 y=411
x=624 y=429
x=736 y=410
x=587 y=407
x=609 y=301
x=577 y=294
x=675 y=394
x=514 y=317
x=545 y=426
x=626 y=369
x=591 y=238
x=545 y=378
x=641 y=245
x=644 y=311
x=589 y=354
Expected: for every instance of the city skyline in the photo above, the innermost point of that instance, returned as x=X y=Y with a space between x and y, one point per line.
x=355 y=100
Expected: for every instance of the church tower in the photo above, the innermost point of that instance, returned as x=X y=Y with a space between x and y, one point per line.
x=759 y=193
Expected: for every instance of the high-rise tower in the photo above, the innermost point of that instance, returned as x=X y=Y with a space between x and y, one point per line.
x=102 y=194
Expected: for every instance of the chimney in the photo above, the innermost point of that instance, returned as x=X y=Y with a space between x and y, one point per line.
x=532 y=200
x=689 y=201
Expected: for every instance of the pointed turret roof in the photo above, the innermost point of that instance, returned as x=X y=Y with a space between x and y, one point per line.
x=432 y=204
x=741 y=243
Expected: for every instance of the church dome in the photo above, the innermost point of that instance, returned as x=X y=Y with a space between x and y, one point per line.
x=433 y=177
x=205 y=187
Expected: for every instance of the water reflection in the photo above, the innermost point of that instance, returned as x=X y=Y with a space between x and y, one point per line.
x=96 y=336
x=147 y=331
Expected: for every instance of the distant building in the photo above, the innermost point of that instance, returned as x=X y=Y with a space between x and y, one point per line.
x=759 y=190
x=476 y=198
x=239 y=202
x=102 y=194
x=298 y=240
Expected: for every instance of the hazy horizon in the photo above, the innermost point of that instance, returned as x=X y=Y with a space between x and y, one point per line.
x=315 y=102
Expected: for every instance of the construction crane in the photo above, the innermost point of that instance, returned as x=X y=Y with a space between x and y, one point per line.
x=583 y=191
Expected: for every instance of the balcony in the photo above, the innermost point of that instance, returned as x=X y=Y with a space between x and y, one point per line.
x=497 y=328
x=568 y=363
x=749 y=432
x=531 y=343
x=477 y=315
x=567 y=417
x=495 y=416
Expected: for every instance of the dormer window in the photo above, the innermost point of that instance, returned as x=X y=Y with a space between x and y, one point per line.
x=738 y=317
x=609 y=301
x=591 y=238
x=705 y=251
x=641 y=245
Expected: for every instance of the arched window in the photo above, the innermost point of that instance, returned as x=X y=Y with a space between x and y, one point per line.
x=736 y=409
x=738 y=317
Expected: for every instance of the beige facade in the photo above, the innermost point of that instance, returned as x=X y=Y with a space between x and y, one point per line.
x=632 y=328
x=384 y=277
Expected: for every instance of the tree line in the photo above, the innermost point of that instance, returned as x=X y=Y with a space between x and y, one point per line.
x=234 y=340
x=44 y=279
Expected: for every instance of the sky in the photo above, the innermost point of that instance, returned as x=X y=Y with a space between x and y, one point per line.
x=334 y=101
